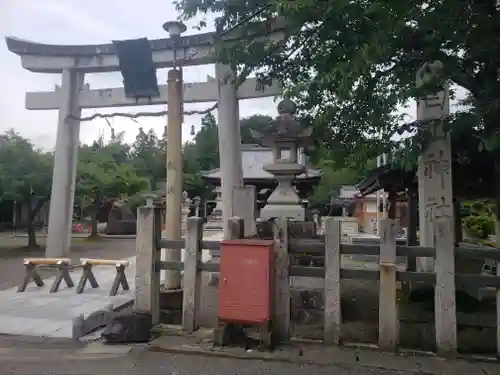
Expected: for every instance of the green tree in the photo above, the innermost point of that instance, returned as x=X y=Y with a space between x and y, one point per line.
x=25 y=176
x=148 y=155
x=333 y=178
x=254 y=122
x=206 y=142
x=350 y=65
x=479 y=222
x=117 y=148
x=104 y=171
x=201 y=154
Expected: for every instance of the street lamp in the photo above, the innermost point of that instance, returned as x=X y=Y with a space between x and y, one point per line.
x=174 y=183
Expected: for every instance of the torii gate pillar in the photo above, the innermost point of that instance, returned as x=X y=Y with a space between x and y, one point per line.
x=229 y=140
x=65 y=162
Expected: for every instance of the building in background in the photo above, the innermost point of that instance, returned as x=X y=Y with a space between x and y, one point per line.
x=364 y=208
x=253 y=158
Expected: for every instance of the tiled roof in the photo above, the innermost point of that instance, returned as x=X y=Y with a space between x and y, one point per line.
x=253 y=158
x=352 y=192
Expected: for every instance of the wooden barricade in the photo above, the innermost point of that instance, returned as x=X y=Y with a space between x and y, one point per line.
x=62 y=265
x=120 y=277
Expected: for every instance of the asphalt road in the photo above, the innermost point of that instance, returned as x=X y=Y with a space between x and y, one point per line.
x=142 y=362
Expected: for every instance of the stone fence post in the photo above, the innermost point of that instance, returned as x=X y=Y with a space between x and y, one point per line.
x=445 y=304
x=388 y=323
x=236 y=228
x=192 y=275
x=333 y=309
x=147 y=276
x=244 y=207
x=281 y=280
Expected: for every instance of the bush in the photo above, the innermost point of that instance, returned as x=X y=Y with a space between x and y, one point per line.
x=479 y=226
x=487 y=242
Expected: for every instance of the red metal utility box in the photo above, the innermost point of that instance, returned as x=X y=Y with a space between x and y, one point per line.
x=245 y=290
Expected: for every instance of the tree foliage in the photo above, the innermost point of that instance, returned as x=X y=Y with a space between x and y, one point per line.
x=479 y=221
x=25 y=176
x=109 y=169
x=105 y=170
x=352 y=64
x=147 y=154
x=254 y=122
x=334 y=178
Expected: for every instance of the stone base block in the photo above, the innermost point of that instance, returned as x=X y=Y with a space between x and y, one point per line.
x=292 y=211
x=314 y=284
x=173 y=317
x=213 y=278
x=171 y=299
x=213 y=225
x=171 y=306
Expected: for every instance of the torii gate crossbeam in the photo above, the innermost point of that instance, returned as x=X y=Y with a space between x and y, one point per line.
x=73 y=62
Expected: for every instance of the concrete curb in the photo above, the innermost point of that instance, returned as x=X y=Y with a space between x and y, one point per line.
x=260 y=357
x=346 y=358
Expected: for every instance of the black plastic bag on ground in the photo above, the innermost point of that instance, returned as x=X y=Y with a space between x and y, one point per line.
x=128 y=327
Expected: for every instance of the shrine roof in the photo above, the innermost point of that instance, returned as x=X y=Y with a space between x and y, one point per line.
x=253 y=158
x=385 y=178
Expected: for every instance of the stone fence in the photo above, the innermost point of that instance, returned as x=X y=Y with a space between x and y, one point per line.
x=389 y=276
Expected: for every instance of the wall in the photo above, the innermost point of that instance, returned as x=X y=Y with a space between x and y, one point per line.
x=365 y=209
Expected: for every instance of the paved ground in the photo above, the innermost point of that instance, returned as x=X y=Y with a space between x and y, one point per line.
x=11 y=265
x=36 y=312
x=160 y=364
x=29 y=356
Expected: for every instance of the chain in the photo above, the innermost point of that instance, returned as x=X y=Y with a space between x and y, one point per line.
x=140 y=114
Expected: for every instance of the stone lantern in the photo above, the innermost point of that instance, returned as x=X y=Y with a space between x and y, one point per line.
x=215 y=221
x=286 y=136
x=150 y=196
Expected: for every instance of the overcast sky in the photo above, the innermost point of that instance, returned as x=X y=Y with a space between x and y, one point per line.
x=88 y=22
x=91 y=22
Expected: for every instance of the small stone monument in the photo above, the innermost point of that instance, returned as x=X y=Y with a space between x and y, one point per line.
x=215 y=220
x=317 y=223
x=121 y=221
x=196 y=202
x=286 y=136
x=186 y=209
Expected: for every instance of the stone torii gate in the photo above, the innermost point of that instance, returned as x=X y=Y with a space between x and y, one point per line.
x=73 y=62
